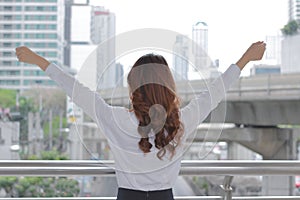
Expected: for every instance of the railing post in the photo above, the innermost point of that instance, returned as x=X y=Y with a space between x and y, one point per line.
x=240 y=92
x=268 y=87
x=226 y=187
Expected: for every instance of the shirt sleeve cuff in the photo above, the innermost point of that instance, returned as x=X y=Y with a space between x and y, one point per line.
x=51 y=69
x=236 y=69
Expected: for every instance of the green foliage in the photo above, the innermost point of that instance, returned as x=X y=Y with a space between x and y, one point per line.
x=41 y=186
x=26 y=105
x=55 y=126
x=7 y=183
x=290 y=28
x=8 y=98
x=47 y=187
x=66 y=187
x=53 y=155
x=49 y=155
x=38 y=186
x=30 y=101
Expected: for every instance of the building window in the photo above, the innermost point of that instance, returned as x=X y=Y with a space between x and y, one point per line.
x=18 y=17
x=10 y=44
x=41 y=17
x=27 y=82
x=7 y=44
x=7 y=8
x=6 y=0
x=7 y=26
x=7 y=54
x=7 y=35
x=41 y=8
x=52 y=45
x=10 y=26
x=41 y=35
x=48 y=54
x=18 y=8
x=40 y=26
x=9 y=82
x=7 y=17
x=33 y=73
x=6 y=63
x=9 y=73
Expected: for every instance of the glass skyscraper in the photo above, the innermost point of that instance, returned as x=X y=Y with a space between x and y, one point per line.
x=294 y=10
x=38 y=24
x=103 y=30
x=200 y=45
x=181 y=57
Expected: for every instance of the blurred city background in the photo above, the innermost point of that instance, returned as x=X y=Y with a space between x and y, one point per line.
x=39 y=122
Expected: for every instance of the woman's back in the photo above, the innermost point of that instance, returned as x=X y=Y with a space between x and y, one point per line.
x=134 y=168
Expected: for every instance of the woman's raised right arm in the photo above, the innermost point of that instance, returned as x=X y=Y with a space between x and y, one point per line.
x=199 y=108
x=90 y=101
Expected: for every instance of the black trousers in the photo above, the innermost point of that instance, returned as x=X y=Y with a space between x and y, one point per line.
x=129 y=194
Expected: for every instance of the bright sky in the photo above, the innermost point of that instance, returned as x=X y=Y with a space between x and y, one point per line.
x=233 y=24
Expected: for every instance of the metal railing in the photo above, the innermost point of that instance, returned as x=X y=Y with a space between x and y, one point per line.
x=227 y=168
x=176 y=198
x=105 y=167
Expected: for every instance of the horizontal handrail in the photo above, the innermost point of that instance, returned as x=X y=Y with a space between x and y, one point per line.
x=184 y=163
x=188 y=167
x=105 y=167
x=177 y=198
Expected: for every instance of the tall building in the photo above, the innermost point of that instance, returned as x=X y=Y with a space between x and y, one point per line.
x=38 y=24
x=273 y=51
x=202 y=61
x=200 y=45
x=180 y=58
x=67 y=33
x=294 y=10
x=290 y=59
x=290 y=45
x=102 y=34
x=119 y=74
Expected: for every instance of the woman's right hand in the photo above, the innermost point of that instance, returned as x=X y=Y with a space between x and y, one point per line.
x=254 y=52
x=26 y=55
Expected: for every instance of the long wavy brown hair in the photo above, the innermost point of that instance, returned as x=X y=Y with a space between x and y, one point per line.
x=155 y=104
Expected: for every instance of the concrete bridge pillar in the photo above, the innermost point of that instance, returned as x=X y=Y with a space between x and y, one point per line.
x=271 y=142
x=281 y=185
x=236 y=151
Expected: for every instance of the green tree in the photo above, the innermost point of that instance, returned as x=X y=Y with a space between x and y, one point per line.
x=55 y=126
x=8 y=183
x=53 y=99
x=53 y=155
x=26 y=105
x=8 y=98
x=50 y=98
x=291 y=28
x=41 y=186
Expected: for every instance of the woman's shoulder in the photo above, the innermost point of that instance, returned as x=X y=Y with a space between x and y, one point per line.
x=123 y=115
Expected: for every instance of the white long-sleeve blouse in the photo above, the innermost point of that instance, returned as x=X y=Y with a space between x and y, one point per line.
x=134 y=169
